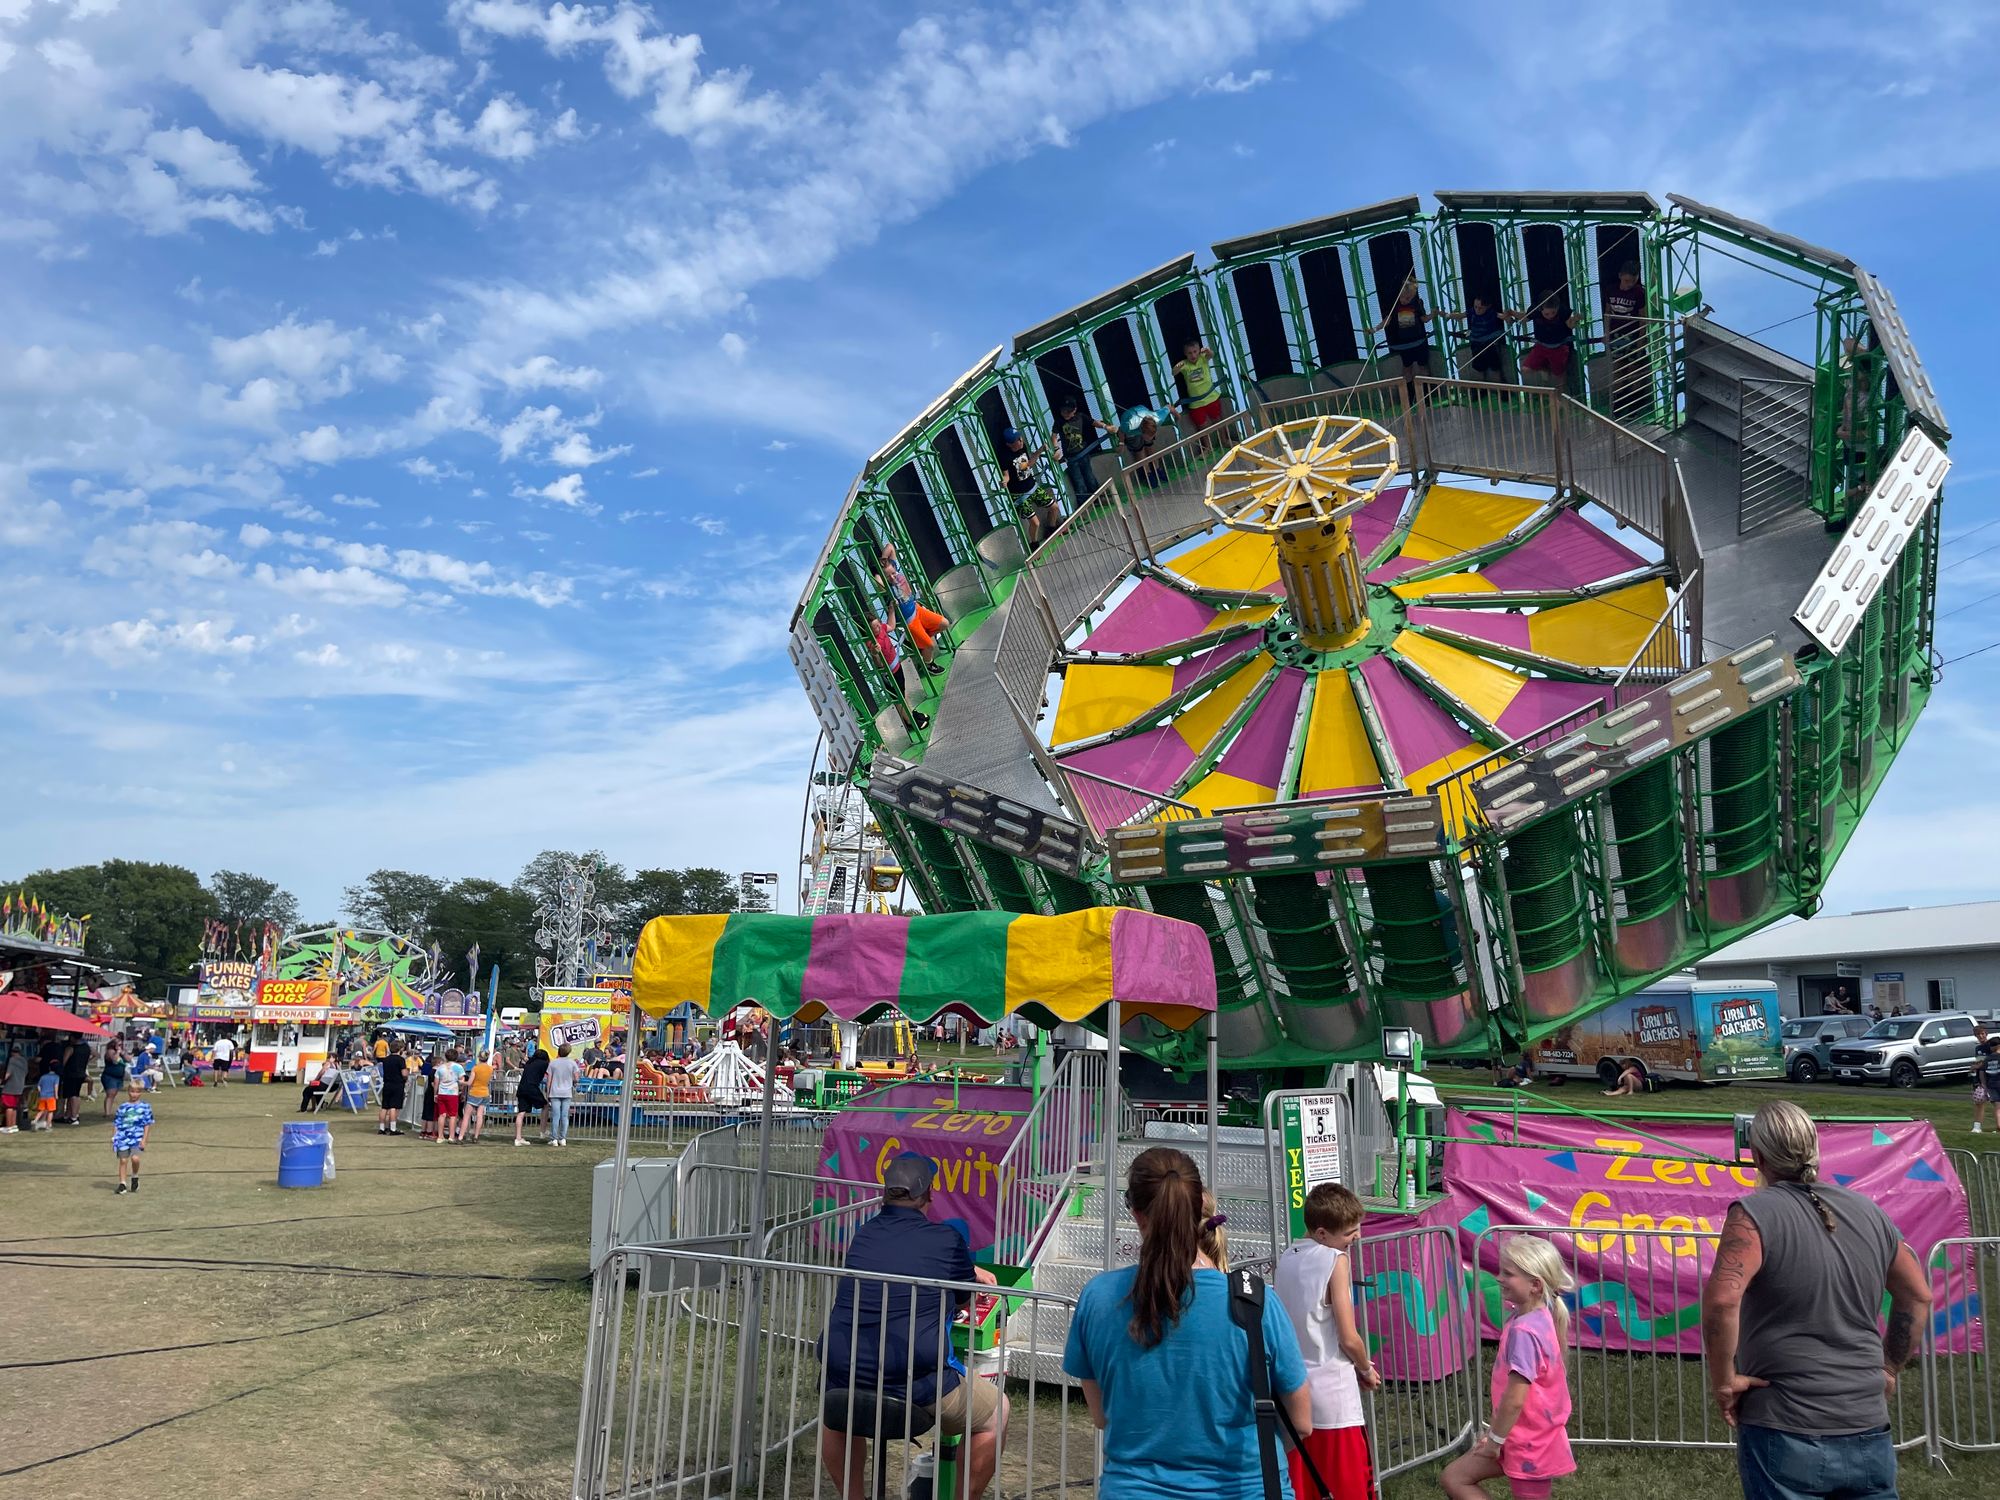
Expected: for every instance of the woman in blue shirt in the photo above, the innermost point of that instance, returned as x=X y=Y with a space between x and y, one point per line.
x=1164 y=1370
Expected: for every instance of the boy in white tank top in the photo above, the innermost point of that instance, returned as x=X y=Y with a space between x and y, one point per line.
x=1315 y=1283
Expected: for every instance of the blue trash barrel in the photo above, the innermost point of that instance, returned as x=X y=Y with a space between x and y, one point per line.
x=305 y=1150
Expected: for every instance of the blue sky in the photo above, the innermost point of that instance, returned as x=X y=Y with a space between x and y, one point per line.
x=415 y=419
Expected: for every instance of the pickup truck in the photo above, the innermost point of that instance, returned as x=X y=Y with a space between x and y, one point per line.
x=1904 y=1051
x=1810 y=1040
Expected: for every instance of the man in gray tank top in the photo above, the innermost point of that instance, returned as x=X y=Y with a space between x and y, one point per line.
x=1796 y=1354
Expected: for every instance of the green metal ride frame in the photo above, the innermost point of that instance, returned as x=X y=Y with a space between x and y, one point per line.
x=1664 y=862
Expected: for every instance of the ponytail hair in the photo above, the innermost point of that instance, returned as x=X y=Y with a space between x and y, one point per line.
x=1214 y=1233
x=1785 y=1142
x=1535 y=1258
x=1165 y=1186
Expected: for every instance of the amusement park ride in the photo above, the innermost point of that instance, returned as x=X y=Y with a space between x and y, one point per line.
x=1438 y=698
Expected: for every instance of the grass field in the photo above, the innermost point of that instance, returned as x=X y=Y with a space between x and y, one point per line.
x=445 y=1387
x=414 y=1328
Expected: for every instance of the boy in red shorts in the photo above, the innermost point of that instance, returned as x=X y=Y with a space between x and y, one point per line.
x=1555 y=341
x=1196 y=371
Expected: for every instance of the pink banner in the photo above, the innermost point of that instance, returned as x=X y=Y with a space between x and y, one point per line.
x=1600 y=1185
x=966 y=1131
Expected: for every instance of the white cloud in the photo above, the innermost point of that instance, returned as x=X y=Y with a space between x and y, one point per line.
x=316 y=112
x=504 y=130
x=327 y=655
x=320 y=446
x=326 y=248
x=201 y=160
x=575 y=452
x=544 y=372
x=638 y=61
x=708 y=525
x=529 y=425
x=318 y=355
x=733 y=347
x=952 y=97
x=254 y=536
x=431 y=472
x=644 y=473
x=180 y=549
x=566 y=491
x=776 y=445
x=1229 y=83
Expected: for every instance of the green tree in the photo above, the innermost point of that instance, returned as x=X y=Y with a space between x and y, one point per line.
x=250 y=901
x=143 y=916
x=397 y=901
x=673 y=893
x=500 y=919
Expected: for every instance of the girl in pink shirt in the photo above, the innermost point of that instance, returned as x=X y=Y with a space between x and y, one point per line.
x=1527 y=1440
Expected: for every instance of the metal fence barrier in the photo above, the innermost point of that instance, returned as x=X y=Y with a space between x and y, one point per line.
x=715 y=1200
x=709 y=1376
x=1638 y=1376
x=1958 y=1368
x=1412 y=1309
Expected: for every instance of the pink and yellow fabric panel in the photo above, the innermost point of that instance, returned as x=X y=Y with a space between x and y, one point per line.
x=985 y=964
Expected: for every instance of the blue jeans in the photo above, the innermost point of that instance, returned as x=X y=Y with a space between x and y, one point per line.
x=1788 y=1466
x=1077 y=467
x=558 y=1119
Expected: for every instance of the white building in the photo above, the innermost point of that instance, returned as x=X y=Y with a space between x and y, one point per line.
x=1919 y=958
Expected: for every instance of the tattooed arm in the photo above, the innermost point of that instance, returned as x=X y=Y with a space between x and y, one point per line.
x=1909 y=1296
x=1738 y=1258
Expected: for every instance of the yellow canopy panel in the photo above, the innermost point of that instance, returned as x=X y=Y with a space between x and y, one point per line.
x=1235 y=562
x=1452 y=520
x=1603 y=632
x=1481 y=686
x=1337 y=756
x=1097 y=699
x=1201 y=723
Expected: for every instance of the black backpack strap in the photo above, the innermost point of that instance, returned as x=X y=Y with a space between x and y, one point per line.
x=1246 y=1311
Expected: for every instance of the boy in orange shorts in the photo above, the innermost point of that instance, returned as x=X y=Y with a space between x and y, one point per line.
x=46 y=1088
x=923 y=625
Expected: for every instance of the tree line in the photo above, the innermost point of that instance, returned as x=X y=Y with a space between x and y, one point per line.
x=150 y=917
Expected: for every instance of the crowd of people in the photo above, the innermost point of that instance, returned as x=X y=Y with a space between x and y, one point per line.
x=1810 y=1313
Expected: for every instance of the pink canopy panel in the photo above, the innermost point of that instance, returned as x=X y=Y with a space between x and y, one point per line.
x=1542 y=701
x=1258 y=752
x=1420 y=733
x=1569 y=553
x=1151 y=616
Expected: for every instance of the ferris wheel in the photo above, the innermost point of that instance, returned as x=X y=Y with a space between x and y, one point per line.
x=845 y=865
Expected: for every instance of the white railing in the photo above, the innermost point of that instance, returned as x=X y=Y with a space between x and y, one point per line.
x=1061 y=1134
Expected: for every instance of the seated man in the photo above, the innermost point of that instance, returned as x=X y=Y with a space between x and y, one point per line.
x=328 y=1077
x=896 y=1341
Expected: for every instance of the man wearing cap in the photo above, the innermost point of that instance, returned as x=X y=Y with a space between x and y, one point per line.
x=896 y=1340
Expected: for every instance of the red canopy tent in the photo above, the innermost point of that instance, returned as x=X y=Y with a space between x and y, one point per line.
x=18 y=1008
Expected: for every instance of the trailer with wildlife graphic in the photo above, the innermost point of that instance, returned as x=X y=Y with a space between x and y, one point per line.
x=1699 y=1031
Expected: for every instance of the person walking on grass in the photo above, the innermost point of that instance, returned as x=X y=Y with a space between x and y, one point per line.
x=1986 y=1082
x=530 y=1094
x=561 y=1085
x=395 y=1087
x=14 y=1098
x=1526 y=1441
x=478 y=1094
x=225 y=1049
x=446 y=1079
x=130 y=1129
x=75 y=1075
x=1792 y=1323
x=116 y=1070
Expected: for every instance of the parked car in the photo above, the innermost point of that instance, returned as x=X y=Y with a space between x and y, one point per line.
x=1809 y=1042
x=1906 y=1050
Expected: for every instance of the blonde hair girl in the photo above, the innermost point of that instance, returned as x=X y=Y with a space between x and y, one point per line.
x=1526 y=1442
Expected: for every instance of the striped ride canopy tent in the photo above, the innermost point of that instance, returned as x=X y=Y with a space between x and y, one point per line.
x=985 y=965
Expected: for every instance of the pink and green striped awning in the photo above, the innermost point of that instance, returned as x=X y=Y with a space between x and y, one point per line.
x=987 y=964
